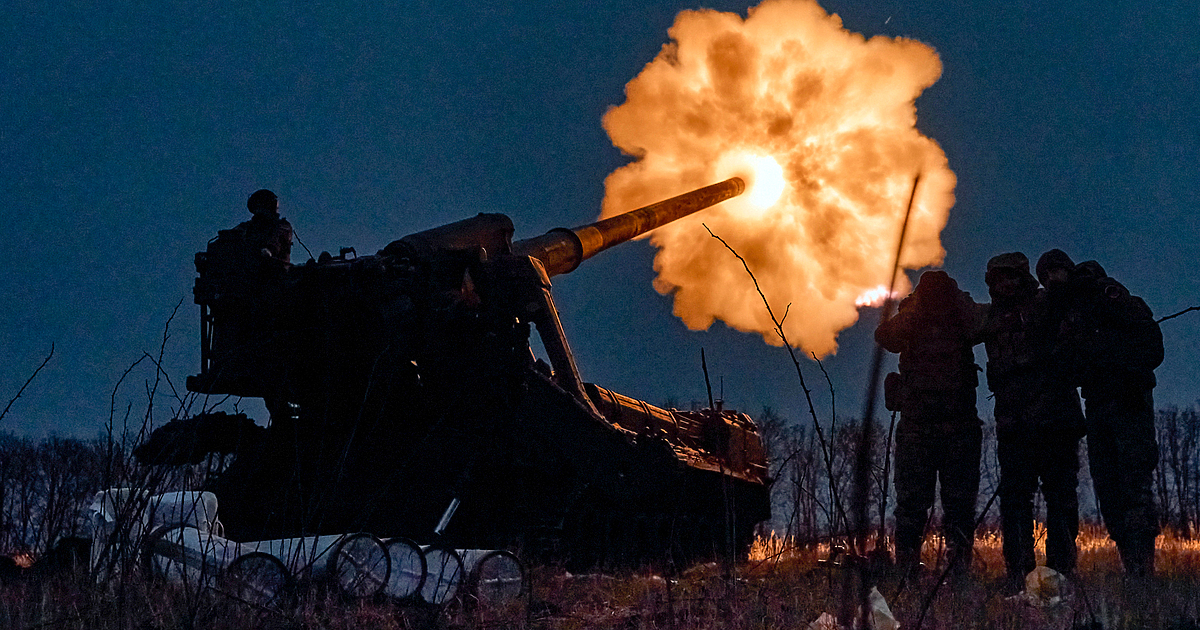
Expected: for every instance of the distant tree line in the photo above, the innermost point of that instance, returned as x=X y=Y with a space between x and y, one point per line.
x=45 y=485
x=1177 y=479
x=812 y=465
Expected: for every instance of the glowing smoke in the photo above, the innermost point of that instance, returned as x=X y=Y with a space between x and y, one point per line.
x=821 y=123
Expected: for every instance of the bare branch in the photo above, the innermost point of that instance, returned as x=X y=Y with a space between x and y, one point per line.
x=812 y=410
x=887 y=466
x=1184 y=311
x=832 y=392
x=159 y=376
x=110 y=425
x=27 y=382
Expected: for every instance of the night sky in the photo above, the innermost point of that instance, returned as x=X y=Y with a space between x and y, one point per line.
x=130 y=132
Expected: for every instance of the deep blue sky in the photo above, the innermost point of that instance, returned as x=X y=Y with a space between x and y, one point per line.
x=131 y=132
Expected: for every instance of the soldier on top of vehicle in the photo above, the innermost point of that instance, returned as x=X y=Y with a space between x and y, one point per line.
x=939 y=435
x=240 y=291
x=267 y=232
x=1038 y=419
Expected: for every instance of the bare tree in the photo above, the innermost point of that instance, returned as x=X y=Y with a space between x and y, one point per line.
x=1174 y=480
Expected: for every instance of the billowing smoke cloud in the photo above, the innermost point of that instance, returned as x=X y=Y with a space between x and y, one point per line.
x=790 y=100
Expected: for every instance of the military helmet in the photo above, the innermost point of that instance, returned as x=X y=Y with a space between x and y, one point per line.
x=1090 y=270
x=262 y=201
x=1053 y=259
x=1013 y=262
x=936 y=282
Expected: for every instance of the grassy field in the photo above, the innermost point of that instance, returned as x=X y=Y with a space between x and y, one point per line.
x=778 y=586
x=784 y=587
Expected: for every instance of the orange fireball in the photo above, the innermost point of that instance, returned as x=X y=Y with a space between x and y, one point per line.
x=821 y=122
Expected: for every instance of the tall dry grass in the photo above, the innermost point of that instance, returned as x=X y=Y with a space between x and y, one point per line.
x=779 y=586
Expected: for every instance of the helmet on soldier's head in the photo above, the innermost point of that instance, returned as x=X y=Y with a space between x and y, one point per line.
x=1013 y=266
x=937 y=292
x=1051 y=260
x=1090 y=270
x=1014 y=262
x=262 y=201
x=936 y=283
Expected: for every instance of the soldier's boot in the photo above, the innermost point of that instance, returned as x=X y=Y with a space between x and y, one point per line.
x=959 y=555
x=1137 y=556
x=908 y=562
x=879 y=563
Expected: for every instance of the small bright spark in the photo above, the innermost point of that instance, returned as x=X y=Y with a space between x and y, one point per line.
x=873 y=298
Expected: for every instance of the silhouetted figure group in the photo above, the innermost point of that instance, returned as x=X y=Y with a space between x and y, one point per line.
x=1079 y=329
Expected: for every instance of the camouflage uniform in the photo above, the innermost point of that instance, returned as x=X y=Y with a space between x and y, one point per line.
x=1039 y=420
x=939 y=435
x=267 y=231
x=1115 y=345
x=272 y=233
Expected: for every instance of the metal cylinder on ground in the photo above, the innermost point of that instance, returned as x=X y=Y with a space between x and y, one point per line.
x=192 y=507
x=359 y=566
x=116 y=516
x=494 y=577
x=408 y=569
x=184 y=554
x=305 y=556
x=443 y=574
x=356 y=564
x=258 y=579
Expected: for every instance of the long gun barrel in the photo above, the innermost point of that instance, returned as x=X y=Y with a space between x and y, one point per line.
x=561 y=249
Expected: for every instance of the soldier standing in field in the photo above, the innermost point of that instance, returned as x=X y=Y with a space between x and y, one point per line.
x=1113 y=344
x=939 y=434
x=1039 y=420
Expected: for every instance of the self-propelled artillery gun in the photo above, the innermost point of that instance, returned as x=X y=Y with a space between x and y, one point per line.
x=405 y=400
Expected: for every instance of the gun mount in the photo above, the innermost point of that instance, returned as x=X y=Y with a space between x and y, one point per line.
x=402 y=387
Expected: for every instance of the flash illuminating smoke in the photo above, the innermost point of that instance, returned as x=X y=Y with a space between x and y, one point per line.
x=821 y=123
